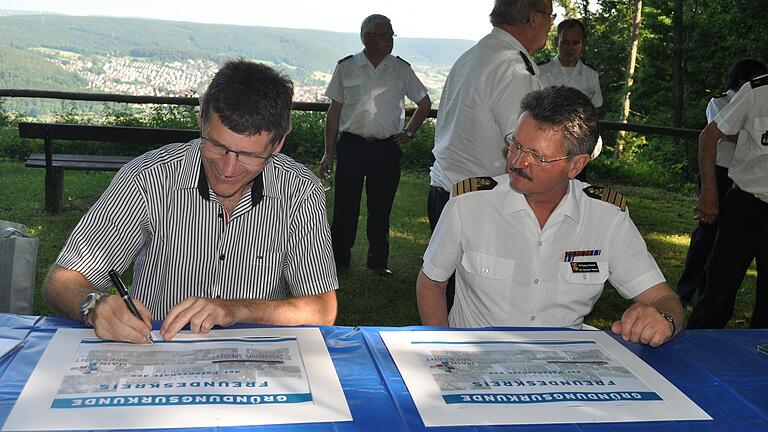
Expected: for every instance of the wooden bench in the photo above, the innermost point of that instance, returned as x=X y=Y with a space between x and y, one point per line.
x=55 y=163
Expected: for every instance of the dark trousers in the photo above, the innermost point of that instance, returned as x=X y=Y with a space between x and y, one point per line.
x=742 y=237
x=377 y=164
x=702 y=240
x=438 y=198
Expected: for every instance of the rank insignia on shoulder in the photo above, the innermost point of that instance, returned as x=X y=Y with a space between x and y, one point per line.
x=528 y=64
x=401 y=59
x=345 y=58
x=607 y=195
x=473 y=184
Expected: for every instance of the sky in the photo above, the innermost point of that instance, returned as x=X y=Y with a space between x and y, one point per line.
x=444 y=19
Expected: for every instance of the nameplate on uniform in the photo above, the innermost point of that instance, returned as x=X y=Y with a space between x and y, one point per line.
x=585 y=267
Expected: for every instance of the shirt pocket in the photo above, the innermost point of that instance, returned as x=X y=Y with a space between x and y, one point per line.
x=488 y=267
x=580 y=290
x=761 y=129
x=353 y=90
x=267 y=269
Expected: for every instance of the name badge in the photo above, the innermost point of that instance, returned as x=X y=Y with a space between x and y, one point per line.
x=585 y=267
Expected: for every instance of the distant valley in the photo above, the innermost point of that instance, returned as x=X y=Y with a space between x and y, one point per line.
x=169 y=58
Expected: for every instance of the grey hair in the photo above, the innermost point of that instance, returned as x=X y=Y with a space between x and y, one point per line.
x=513 y=12
x=369 y=21
x=568 y=110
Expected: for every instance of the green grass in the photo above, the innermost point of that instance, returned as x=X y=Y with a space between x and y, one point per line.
x=663 y=217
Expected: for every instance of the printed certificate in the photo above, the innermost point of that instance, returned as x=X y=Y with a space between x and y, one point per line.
x=227 y=378
x=499 y=377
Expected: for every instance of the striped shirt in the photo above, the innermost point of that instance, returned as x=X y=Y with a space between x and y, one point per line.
x=160 y=211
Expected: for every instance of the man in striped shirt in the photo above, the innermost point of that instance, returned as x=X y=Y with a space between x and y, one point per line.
x=215 y=227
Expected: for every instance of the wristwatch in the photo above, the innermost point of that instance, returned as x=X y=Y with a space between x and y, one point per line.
x=408 y=133
x=89 y=303
x=671 y=320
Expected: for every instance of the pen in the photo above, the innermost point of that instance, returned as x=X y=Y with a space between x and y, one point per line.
x=118 y=283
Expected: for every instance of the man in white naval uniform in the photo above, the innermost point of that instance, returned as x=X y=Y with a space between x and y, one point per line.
x=693 y=278
x=742 y=229
x=535 y=247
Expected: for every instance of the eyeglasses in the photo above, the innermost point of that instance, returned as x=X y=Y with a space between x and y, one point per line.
x=551 y=16
x=220 y=150
x=383 y=35
x=516 y=150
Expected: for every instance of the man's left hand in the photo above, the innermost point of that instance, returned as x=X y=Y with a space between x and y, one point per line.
x=644 y=324
x=202 y=314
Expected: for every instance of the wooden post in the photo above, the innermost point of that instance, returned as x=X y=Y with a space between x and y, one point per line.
x=54 y=180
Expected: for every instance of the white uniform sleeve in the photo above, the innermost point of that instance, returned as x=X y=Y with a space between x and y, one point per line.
x=632 y=268
x=414 y=89
x=731 y=118
x=507 y=91
x=335 y=89
x=597 y=98
x=712 y=110
x=444 y=250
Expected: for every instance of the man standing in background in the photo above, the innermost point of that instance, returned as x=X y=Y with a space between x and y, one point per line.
x=480 y=103
x=703 y=237
x=742 y=229
x=366 y=93
x=566 y=68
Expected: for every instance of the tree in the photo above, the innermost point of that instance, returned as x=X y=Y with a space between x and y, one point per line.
x=630 y=75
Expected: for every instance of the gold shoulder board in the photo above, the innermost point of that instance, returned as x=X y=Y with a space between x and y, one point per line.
x=607 y=195
x=473 y=184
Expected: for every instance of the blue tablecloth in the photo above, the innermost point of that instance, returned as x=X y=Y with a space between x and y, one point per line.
x=720 y=370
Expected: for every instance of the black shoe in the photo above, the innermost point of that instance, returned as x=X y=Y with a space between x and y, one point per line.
x=382 y=271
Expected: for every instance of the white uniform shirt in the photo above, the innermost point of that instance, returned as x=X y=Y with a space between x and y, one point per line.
x=747 y=115
x=725 y=147
x=480 y=104
x=581 y=77
x=160 y=210
x=372 y=97
x=510 y=272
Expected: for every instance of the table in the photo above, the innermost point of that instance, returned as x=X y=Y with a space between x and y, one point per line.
x=720 y=370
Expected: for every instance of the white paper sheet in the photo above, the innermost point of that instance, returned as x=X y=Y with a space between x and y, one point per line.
x=230 y=377
x=495 y=377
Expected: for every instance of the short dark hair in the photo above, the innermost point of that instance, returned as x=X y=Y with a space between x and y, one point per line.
x=513 y=12
x=572 y=23
x=249 y=98
x=743 y=71
x=569 y=110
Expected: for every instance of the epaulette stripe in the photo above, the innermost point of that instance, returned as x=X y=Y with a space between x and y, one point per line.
x=528 y=65
x=345 y=58
x=401 y=59
x=473 y=184
x=759 y=81
x=608 y=195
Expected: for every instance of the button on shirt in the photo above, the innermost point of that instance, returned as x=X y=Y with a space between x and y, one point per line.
x=511 y=272
x=372 y=97
x=480 y=104
x=725 y=147
x=160 y=210
x=581 y=77
x=747 y=115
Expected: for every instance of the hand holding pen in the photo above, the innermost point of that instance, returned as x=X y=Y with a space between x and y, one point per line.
x=123 y=291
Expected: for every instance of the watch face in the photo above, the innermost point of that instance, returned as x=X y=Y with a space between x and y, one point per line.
x=88 y=304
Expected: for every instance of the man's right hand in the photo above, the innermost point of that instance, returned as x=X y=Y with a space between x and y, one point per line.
x=326 y=164
x=707 y=208
x=112 y=320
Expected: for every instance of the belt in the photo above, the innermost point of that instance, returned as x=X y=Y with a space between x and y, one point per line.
x=368 y=139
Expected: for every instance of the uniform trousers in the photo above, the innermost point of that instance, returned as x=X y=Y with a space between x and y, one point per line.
x=375 y=163
x=438 y=198
x=702 y=240
x=742 y=237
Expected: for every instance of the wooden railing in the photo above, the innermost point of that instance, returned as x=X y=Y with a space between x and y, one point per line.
x=300 y=106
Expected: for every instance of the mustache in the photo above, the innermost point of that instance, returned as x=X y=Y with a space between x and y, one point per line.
x=521 y=173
